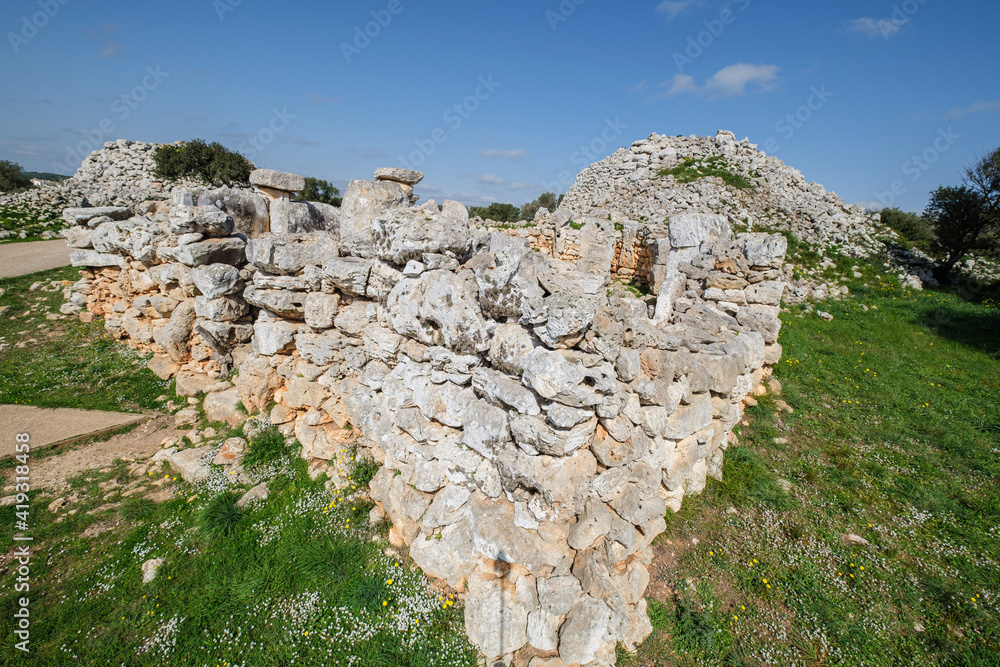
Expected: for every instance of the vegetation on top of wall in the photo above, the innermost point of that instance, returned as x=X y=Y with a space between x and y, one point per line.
x=211 y=163
x=692 y=169
x=320 y=191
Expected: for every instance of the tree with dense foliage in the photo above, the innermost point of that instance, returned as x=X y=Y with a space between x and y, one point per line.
x=967 y=218
x=12 y=177
x=320 y=191
x=210 y=163
x=915 y=230
x=546 y=200
x=959 y=219
x=497 y=212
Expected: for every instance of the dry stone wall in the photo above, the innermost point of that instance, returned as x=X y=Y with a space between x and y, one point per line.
x=533 y=420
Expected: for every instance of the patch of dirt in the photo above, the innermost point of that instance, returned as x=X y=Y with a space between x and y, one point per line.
x=52 y=472
x=99 y=528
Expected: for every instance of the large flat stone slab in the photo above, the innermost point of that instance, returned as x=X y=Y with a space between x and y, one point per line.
x=49 y=426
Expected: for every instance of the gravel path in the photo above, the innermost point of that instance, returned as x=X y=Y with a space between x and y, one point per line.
x=18 y=259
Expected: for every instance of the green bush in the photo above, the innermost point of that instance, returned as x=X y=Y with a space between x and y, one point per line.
x=916 y=230
x=320 y=191
x=211 y=163
x=12 y=177
x=545 y=200
x=497 y=212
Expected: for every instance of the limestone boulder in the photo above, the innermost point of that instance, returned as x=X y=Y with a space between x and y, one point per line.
x=364 y=202
x=290 y=253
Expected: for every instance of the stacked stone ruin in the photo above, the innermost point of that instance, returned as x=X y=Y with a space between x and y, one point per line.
x=533 y=419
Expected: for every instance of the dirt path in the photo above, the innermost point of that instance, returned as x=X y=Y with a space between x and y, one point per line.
x=18 y=259
x=47 y=426
x=52 y=471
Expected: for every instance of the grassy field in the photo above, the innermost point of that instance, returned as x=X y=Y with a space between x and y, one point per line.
x=299 y=578
x=65 y=362
x=894 y=438
x=31 y=220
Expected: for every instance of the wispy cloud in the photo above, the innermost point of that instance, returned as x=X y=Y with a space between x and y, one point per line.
x=111 y=49
x=982 y=106
x=680 y=83
x=516 y=154
x=674 y=7
x=523 y=186
x=489 y=179
x=875 y=28
x=731 y=81
x=103 y=30
x=316 y=98
x=297 y=139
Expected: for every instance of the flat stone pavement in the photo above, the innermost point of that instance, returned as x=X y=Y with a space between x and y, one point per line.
x=47 y=426
x=18 y=259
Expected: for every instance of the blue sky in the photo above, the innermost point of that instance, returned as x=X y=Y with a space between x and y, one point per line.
x=498 y=101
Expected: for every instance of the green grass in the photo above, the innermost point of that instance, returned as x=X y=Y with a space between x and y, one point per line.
x=299 y=578
x=895 y=437
x=691 y=170
x=266 y=447
x=66 y=363
x=33 y=220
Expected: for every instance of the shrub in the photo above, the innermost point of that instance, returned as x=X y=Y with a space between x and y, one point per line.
x=915 y=229
x=497 y=212
x=12 y=177
x=211 y=163
x=320 y=191
x=545 y=200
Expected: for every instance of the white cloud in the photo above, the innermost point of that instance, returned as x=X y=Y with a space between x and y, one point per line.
x=871 y=205
x=674 y=7
x=982 y=106
x=680 y=83
x=522 y=186
x=873 y=28
x=727 y=82
x=516 y=154
x=734 y=79
x=490 y=179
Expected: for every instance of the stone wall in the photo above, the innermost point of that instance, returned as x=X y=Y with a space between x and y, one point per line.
x=532 y=419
